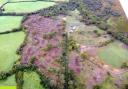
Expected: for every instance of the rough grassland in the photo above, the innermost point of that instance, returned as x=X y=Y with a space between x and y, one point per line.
x=8 y=46
x=114 y=54
x=8 y=23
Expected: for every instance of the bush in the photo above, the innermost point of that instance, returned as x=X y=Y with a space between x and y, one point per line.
x=3 y=75
x=121 y=29
x=48 y=47
x=19 y=79
x=103 y=26
x=121 y=25
x=125 y=65
x=120 y=36
x=97 y=87
x=72 y=45
x=49 y=35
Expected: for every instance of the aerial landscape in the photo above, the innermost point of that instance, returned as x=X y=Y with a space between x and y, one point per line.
x=63 y=44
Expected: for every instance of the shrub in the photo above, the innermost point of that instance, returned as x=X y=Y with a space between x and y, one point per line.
x=19 y=79
x=125 y=65
x=121 y=25
x=72 y=45
x=107 y=84
x=49 y=47
x=3 y=75
x=49 y=35
x=97 y=87
x=103 y=26
x=84 y=55
x=120 y=36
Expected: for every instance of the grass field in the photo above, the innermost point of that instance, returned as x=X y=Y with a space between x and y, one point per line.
x=8 y=23
x=2 y=1
x=9 y=43
x=26 y=6
x=22 y=0
x=114 y=54
x=31 y=81
x=9 y=82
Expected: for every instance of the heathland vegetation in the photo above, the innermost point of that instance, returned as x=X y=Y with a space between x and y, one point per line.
x=62 y=45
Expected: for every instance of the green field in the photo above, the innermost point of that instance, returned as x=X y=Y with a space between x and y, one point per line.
x=9 y=43
x=22 y=0
x=26 y=6
x=8 y=23
x=2 y=1
x=114 y=54
x=9 y=82
x=31 y=81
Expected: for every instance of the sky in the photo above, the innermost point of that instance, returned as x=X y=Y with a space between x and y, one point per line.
x=124 y=4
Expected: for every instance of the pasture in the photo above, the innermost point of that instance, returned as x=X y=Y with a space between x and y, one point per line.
x=31 y=81
x=114 y=54
x=9 y=82
x=9 y=43
x=7 y=23
x=26 y=6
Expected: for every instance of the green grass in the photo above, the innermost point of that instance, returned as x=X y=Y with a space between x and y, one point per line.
x=8 y=46
x=108 y=84
x=9 y=82
x=31 y=81
x=22 y=0
x=8 y=23
x=2 y=2
x=114 y=54
x=10 y=42
x=27 y=6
